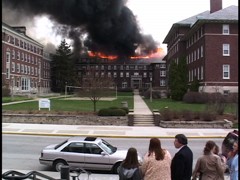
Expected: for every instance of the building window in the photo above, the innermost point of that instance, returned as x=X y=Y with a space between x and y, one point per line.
x=121 y=74
x=201 y=51
x=109 y=74
x=25 y=69
x=226 y=71
x=162 y=82
x=8 y=57
x=124 y=84
x=162 y=73
x=226 y=50
x=102 y=74
x=145 y=74
x=127 y=74
x=114 y=74
x=226 y=92
x=25 y=83
x=22 y=68
x=13 y=66
x=225 y=29
x=7 y=73
x=18 y=67
x=13 y=54
x=201 y=72
x=109 y=67
x=18 y=55
x=162 y=65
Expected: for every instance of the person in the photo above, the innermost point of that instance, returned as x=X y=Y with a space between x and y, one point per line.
x=181 y=166
x=222 y=157
x=209 y=165
x=232 y=162
x=156 y=162
x=129 y=168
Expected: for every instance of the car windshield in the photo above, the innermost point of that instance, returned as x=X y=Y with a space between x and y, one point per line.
x=107 y=147
x=57 y=146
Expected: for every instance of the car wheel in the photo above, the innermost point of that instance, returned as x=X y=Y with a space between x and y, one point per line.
x=58 y=164
x=116 y=168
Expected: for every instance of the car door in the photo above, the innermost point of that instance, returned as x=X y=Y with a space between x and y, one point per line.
x=94 y=159
x=73 y=153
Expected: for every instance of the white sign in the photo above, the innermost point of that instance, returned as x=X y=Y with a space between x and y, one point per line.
x=44 y=103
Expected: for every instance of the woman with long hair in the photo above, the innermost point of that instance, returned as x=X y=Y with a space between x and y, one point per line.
x=209 y=165
x=129 y=169
x=157 y=162
x=232 y=162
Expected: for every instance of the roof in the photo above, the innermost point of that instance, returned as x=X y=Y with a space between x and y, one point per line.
x=227 y=14
x=13 y=29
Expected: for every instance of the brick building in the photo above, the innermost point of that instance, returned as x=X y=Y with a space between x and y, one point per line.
x=134 y=74
x=209 y=43
x=25 y=67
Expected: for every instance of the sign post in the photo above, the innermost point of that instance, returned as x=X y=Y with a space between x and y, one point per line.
x=44 y=103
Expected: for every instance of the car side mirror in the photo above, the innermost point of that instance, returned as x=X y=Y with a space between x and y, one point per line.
x=103 y=153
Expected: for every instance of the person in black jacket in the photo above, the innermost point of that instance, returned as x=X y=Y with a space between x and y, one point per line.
x=129 y=169
x=181 y=166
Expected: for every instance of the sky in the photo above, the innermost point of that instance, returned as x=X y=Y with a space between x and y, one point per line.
x=155 y=17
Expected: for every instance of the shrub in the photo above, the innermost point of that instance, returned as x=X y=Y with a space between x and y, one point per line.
x=5 y=91
x=208 y=116
x=187 y=115
x=166 y=115
x=125 y=109
x=195 y=97
x=112 y=112
x=118 y=112
x=104 y=112
x=196 y=115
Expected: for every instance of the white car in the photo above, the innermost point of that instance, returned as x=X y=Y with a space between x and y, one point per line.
x=90 y=153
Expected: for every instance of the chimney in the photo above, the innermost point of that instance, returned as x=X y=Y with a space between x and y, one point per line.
x=215 y=5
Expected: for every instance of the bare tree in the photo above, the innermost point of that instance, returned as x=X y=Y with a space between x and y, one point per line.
x=95 y=86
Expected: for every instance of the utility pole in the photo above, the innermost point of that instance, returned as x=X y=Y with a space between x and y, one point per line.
x=150 y=89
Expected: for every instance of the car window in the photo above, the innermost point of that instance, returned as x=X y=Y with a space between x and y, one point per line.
x=91 y=148
x=76 y=147
x=107 y=147
x=57 y=146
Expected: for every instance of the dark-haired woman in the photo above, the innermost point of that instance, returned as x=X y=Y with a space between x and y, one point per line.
x=129 y=169
x=157 y=162
x=209 y=165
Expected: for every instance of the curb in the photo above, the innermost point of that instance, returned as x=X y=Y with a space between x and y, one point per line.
x=106 y=136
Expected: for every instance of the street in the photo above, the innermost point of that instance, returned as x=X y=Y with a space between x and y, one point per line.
x=21 y=152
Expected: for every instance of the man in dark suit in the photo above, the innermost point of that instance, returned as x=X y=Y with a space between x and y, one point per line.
x=181 y=166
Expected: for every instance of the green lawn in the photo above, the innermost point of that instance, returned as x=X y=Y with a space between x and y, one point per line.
x=15 y=98
x=180 y=106
x=63 y=104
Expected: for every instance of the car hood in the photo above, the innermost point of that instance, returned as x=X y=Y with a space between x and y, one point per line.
x=120 y=154
x=51 y=146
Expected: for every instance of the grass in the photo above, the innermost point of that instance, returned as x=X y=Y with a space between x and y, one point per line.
x=62 y=104
x=180 y=106
x=15 y=98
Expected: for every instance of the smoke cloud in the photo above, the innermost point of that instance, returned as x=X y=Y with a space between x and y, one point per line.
x=111 y=27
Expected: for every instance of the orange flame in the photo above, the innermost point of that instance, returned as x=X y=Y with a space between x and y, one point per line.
x=101 y=55
x=159 y=53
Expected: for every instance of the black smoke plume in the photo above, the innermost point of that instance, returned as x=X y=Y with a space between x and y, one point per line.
x=111 y=27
